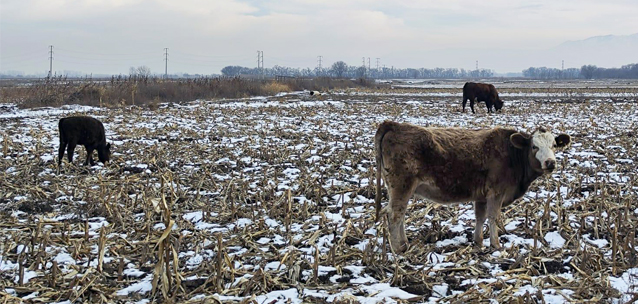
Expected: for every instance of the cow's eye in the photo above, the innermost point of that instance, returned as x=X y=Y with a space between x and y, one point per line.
x=535 y=147
x=555 y=145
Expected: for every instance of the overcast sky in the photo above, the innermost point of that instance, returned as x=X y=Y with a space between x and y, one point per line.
x=203 y=36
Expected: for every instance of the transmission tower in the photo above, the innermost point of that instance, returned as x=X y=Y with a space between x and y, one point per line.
x=260 y=62
x=165 y=63
x=50 y=61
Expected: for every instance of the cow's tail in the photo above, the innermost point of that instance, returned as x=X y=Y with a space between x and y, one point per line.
x=378 y=138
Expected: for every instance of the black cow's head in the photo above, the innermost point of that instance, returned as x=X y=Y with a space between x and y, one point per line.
x=104 y=153
x=498 y=104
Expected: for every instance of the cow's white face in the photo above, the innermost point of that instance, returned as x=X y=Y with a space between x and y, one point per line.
x=542 y=145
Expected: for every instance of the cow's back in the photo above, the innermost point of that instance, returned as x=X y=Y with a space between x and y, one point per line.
x=82 y=130
x=456 y=162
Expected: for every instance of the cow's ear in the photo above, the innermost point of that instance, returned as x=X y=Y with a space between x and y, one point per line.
x=563 y=140
x=519 y=140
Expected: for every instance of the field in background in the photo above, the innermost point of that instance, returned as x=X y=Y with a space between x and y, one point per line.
x=270 y=200
x=150 y=92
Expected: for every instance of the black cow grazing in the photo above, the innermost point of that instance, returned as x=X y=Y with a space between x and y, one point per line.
x=83 y=130
x=481 y=92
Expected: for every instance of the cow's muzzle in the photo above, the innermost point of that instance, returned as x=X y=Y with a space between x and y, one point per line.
x=550 y=165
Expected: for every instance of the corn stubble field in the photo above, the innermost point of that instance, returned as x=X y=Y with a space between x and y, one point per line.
x=270 y=200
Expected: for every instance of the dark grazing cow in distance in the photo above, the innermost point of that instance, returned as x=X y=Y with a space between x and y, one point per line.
x=476 y=92
x=491 y=167
x=83 y=130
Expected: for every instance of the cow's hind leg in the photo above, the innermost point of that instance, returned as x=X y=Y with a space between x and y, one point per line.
x=399 y=197
x=472 y=104
x=464 y=102
x=61 y=152
x=480 y=209
x=493 y=214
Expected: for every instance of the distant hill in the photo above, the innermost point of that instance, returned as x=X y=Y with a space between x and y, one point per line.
x=605 y=51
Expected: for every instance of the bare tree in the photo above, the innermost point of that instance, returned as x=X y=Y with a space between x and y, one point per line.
x=140 y=71
x=339 y=68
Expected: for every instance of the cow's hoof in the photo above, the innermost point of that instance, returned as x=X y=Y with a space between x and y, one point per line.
x=398 y=249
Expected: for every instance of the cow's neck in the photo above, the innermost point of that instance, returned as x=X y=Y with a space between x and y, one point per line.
x=524 y=175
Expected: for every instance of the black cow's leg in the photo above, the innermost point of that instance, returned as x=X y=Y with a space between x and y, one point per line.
x=481 y=213
x=69 y=152
x=61 y=152
x=89 y=157
x=464 y=103
x=472 y=104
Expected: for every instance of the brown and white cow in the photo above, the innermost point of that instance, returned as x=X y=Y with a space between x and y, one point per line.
x=491 y=167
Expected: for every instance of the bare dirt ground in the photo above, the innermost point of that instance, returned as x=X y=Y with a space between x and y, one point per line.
x=270 y=200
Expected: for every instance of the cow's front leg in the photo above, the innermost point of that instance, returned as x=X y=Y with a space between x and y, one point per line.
x=472 y=104
x=493 y=214
x=89 y=156
x=481 y=213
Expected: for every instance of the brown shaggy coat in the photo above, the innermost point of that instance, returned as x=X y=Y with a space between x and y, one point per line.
x=453 y=165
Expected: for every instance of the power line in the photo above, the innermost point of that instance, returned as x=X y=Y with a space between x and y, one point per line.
x=208 y=56
x=105 y=54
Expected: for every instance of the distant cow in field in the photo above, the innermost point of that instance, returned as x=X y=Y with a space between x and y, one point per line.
x=481 y=92
x=315 y=93
x=491 y=167
x=83 y=130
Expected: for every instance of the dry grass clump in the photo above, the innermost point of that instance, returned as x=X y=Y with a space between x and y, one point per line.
x=273 y=88
x=217 y=202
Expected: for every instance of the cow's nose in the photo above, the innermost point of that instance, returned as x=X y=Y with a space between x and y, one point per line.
x=550 y=164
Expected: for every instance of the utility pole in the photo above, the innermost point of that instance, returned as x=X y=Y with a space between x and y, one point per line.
x=378 y=63
x=368 y=63
x=260 y=63
x=165 y=63
x=50 y=61
x=364 y=67
x=319 y=64
x=477 y=65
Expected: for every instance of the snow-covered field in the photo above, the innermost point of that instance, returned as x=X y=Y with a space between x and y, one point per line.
x=270 y=200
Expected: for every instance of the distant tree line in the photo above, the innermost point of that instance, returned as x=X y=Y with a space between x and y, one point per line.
x=629 y=71
x=341 y=70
